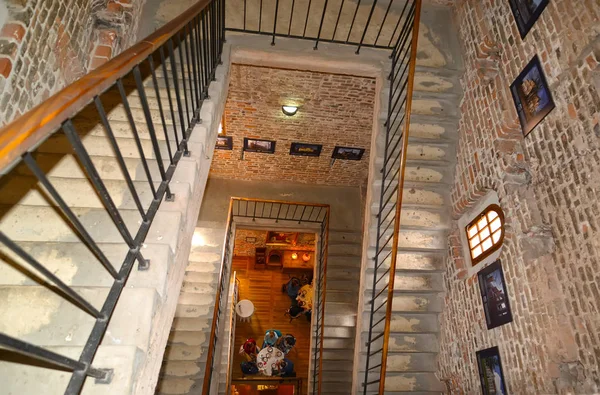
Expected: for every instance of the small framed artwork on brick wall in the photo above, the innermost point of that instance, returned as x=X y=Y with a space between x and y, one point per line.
x=490 y=372
x=258 y=145
x=347 y=153
x=303 y=149
x=224 y=142
x=494 y=295
x=532 y=96
x=526 y=13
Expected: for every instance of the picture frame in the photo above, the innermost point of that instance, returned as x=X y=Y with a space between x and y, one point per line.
x=531 y=95
x=526 y=13
x=259 y=145
x=275 y=238
x=491 y=375
x=494 y=296
x=305 y=149
x=224 y=143
x=250 y=239
x=347 y=153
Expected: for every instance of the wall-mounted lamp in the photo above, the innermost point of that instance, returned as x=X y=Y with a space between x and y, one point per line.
x=289 y=110
x=294 y=256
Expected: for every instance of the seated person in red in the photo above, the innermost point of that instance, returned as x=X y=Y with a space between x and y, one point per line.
x=249 y=350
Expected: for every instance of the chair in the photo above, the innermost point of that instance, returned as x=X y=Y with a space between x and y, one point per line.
x=260 y=257
x=275 y=258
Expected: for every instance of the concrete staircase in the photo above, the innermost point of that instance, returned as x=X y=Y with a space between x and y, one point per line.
x=185 y=358
x=31 y=311
x=341 y=303
x=422 y=245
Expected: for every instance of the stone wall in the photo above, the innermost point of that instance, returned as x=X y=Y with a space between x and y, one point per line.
x=46 y=45
x=549 y=188
x=334 y=110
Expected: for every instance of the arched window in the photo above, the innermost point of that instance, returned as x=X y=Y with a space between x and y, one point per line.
x=485 y=233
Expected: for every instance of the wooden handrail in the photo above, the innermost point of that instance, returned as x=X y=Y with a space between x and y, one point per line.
x=323 y=303
x=27 y=131
x=392 y=272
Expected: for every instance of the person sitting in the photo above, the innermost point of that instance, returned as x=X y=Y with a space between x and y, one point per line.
x=292 y=287
x=284 y=368
x=249 y=368
x=249 y=350
x=286 y=343
x=271 y=337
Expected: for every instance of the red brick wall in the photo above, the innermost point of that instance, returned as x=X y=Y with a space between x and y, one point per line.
x=548 y=184
x=334 y=110
x=46 y=45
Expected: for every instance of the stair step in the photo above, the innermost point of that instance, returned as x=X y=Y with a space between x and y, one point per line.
x=200 y=277
x=343 y=261
x=407 y=342
x=29 y=379
x=342 y=236
x=419 y=149
x=76 y=266
x=181 y=369
x=339 y=308
x=336 y=387
x=421 y=171
x=431 y=79
x=417 y=303
x=335 y=248
x=190 y=338
x=414 y=216
x=408 y=282
x=414 y=193
x=411 y=362
x=443 y=105
x=37 y=315
x=412 y=382
x=342 y=332
x=56 y=165
x=409 y=323
x=341 y=296
x=193 y=311
x=19 y=221
x=79 y=192
x=434 y=128
x=176 y=386
x=412 y=237
x=333 y=320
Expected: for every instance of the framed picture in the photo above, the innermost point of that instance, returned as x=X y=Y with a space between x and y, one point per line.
x=490 y=372
x=250 y=239
x=224 y=142
x=532 y=96
x=526 y=13
x=494 y=295
x=257 y=145
x=281 y=238
x=303 y=149
x=347 y=153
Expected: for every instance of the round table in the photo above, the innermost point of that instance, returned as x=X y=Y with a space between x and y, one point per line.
x=244 y=310
x=267 y=360
x=305 y=295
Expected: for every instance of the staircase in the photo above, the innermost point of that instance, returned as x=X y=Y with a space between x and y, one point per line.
x=30 y=307
x=343 y=280
x=184 y=361
x=424 y=223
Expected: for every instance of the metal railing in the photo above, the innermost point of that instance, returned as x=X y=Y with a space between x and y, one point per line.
x=359 y=23
x=188 y=50
x=286 y=214
x=397 y=124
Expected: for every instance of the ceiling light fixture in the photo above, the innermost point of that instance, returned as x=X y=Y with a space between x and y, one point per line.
x=289 y=110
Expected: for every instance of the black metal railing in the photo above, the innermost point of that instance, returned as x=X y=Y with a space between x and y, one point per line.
x=273 y=213
x=397 y=123
x=181 y=59
x=369 y=23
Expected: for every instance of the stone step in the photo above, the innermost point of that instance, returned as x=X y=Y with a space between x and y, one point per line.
x=343 y=296
x=178 y=386
x=414 y=193
x=79 y=192
x=210 y=267
x=340 y=284
x=194 y=311
x=75 y=265
x=29 y=379
x=407 y=342
x=437 y=80
x=417 y=261
x=122 y=129
x=442 y=105
x=333 y=320
x=342 y=332
x=338 y=343
x=417 y=303
x=37 y=315
x=434 y=128
x=343 y=261
x=405 y=322
x=337 y=355
x=336 y=387
x=420 y=171
x=413 y=383
x=198 y=338
x=418 y=149
x=340 y=377
x=407 y=282
x=414 y=237
x=415 y=217
x=66 y=166
x=190 y=369
x=115 y=111
x=347 y=273
x=198 y=287
x=201 y=277
x=404 y=362
x=340 y=236
x=112 y=96
x=19 y=221
x=339 y=248
x=339 y=308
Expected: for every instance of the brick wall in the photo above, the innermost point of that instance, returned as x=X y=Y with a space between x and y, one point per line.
x=334 y=110
x=243 y=247
x=46 y=45
x=548 y=184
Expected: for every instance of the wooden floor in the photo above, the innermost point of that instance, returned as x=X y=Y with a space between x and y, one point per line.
x=263 y=288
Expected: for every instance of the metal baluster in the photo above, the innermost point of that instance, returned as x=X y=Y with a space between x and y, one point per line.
x=353 y=19
x=185 y=94
x=140 y=86
x=338 y=20
x=321 y=25
x=166 y=76
x=120 y=160
x=275 y=21
x=136 y=136
x=383 y=22
x=260 y=16
x=366 y=26
x=199 y=58
x=177 y=95
x=191 y=57
x=160 y=107
x=245 y=14
x=205 y=50
x=398 y=23
x=307 y=15
x=291 y=17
